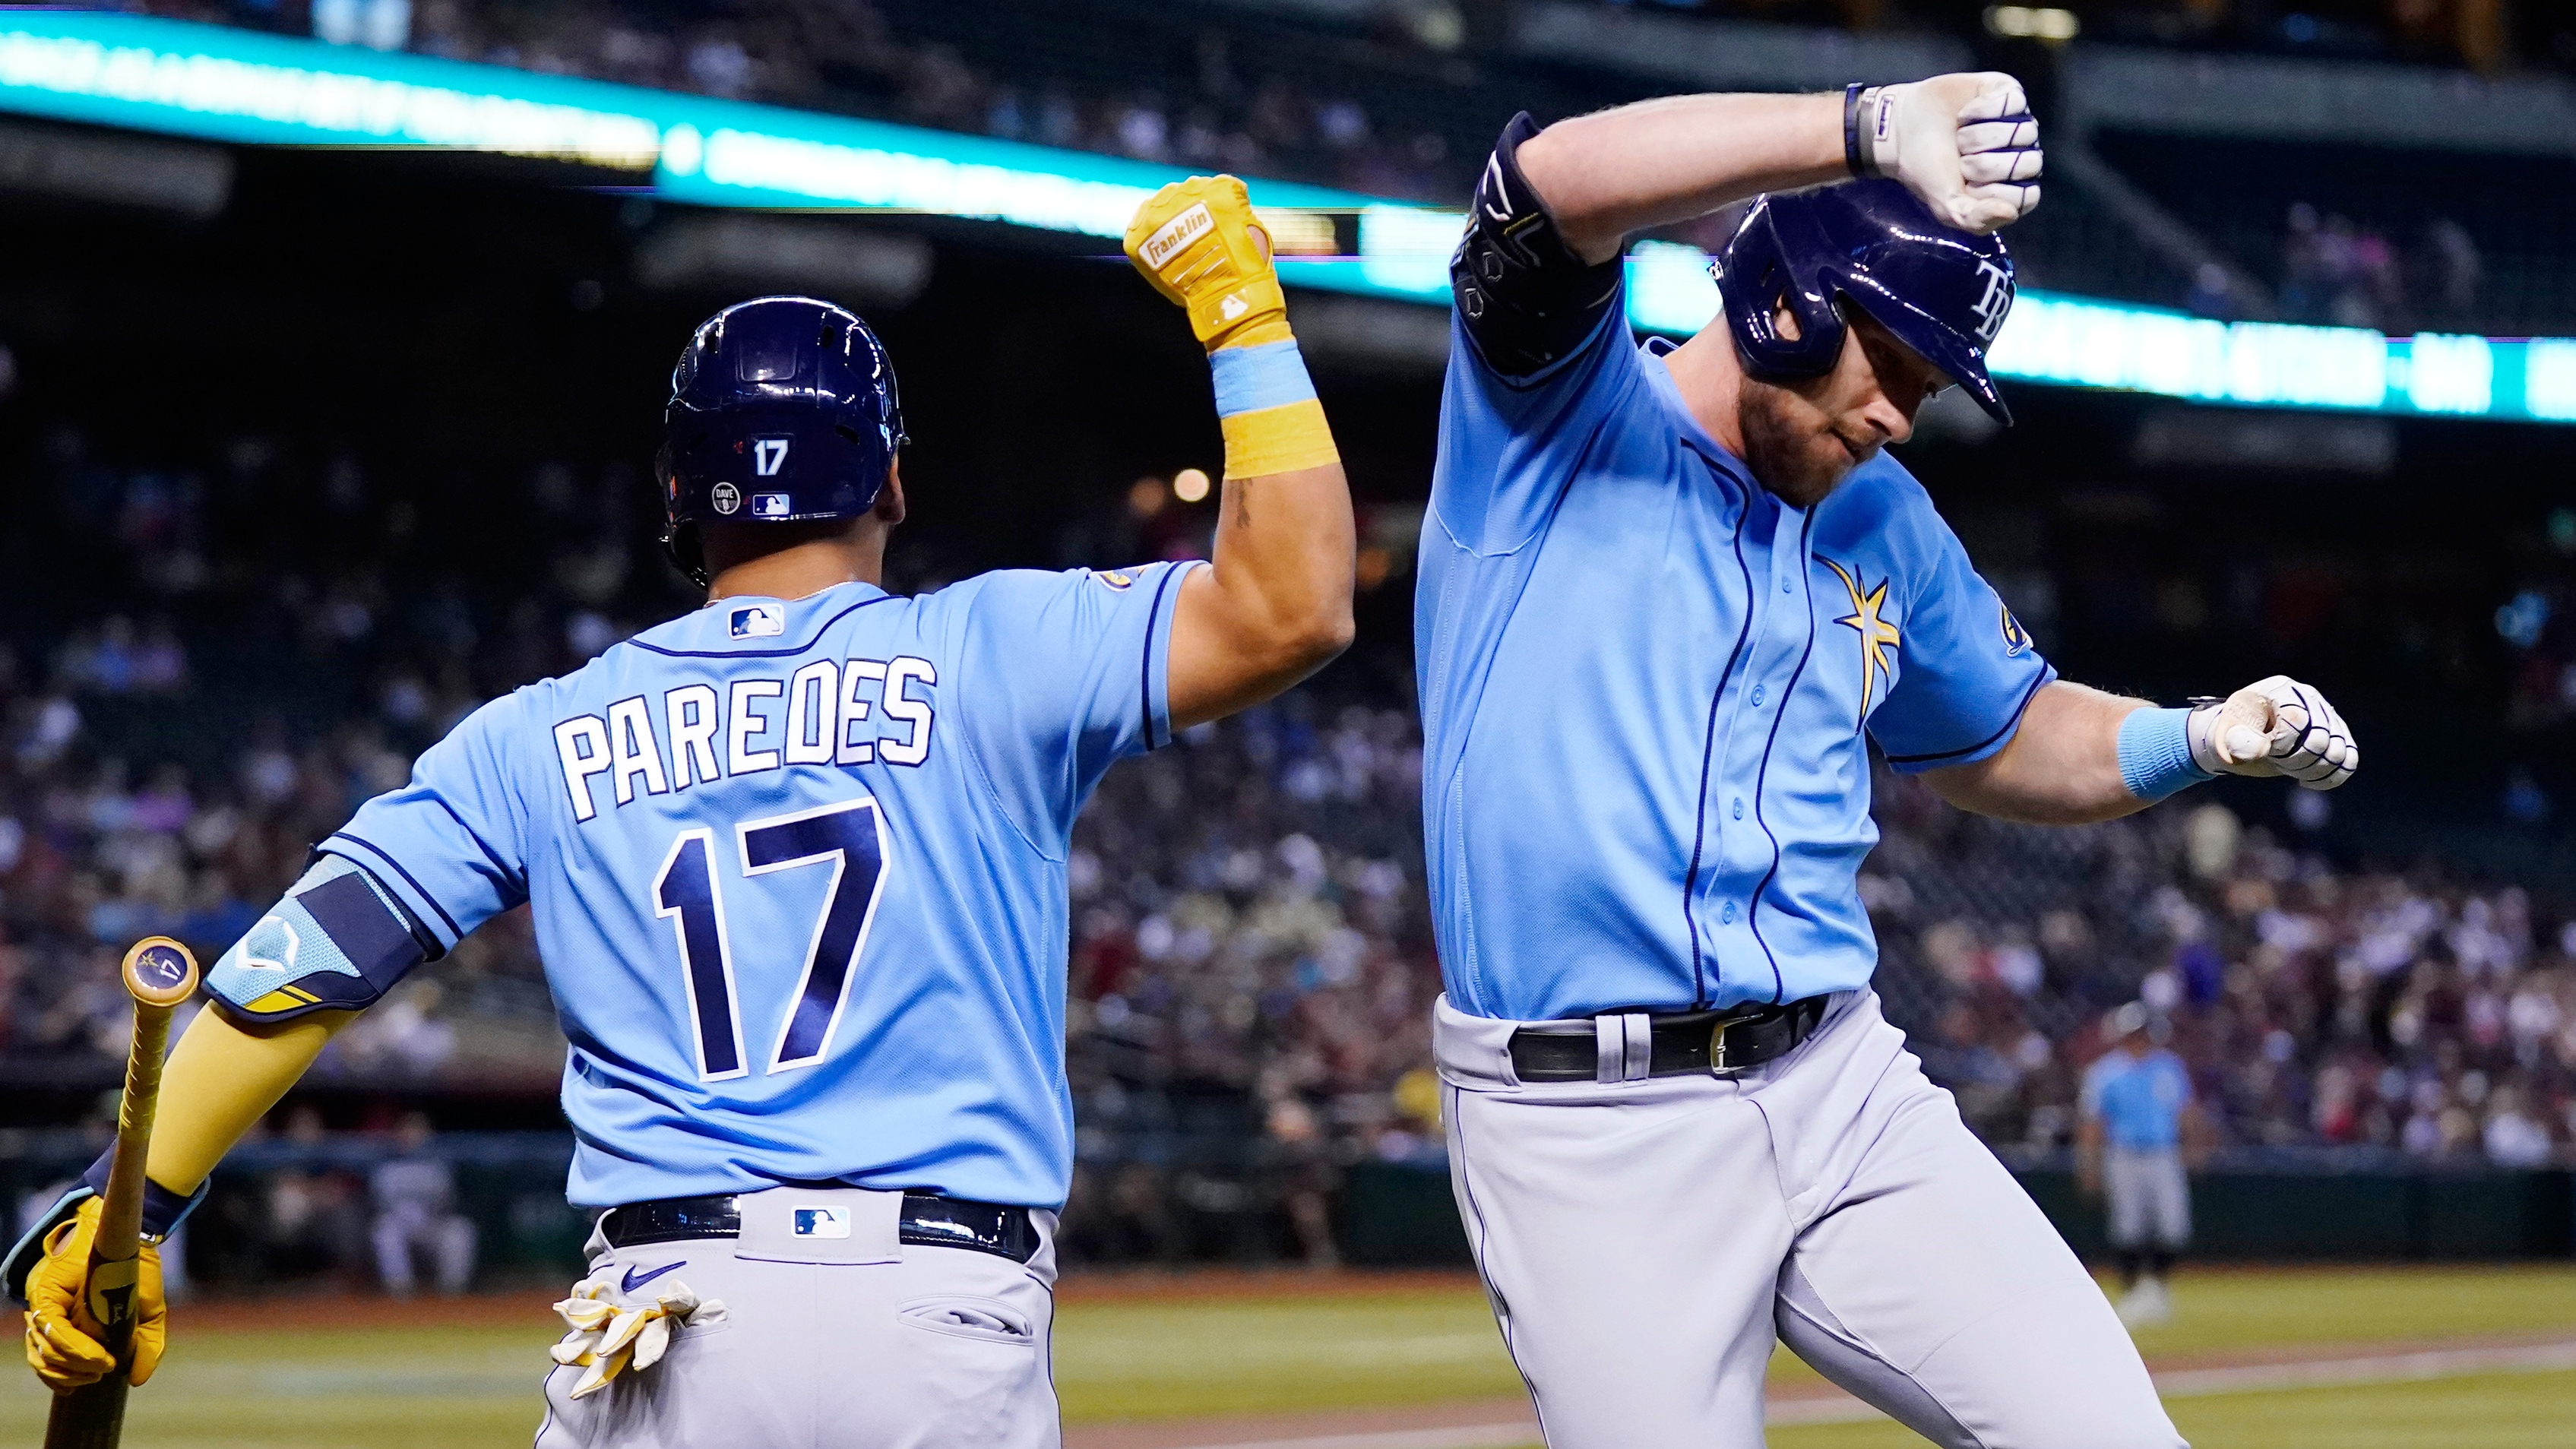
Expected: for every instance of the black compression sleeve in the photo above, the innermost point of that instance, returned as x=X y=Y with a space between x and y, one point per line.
x=1525 y=298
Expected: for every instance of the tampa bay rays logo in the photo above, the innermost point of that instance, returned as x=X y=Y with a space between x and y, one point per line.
x=2016 y=638
x=1877 y=635
x=1994 y=302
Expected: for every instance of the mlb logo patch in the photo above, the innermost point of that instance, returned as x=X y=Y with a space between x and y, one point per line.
x=769 y=505
x=758 y=621
x=822 y=1222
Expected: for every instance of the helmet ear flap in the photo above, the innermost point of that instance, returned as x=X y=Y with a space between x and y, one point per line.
x=687 y=553
x=1757 y=279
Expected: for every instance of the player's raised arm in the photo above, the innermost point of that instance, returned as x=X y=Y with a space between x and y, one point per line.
x=1965 y=144
x=1276 y=605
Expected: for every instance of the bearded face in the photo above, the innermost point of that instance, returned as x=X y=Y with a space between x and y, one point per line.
x=1803 y=435
x=1797 y=449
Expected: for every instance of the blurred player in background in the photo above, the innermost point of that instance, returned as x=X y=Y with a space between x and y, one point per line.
x=415 y=1199
x=2139 y=1134
x=1668 y=596
x=797 y=863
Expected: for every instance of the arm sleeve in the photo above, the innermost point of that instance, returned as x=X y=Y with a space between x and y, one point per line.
x=450 y=847
x=1969 y=668
x=1066 y=674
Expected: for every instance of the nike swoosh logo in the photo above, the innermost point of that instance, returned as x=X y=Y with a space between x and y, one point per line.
x=635 y=1280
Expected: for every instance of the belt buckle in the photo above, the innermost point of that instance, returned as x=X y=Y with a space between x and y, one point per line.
x=1717 y=1066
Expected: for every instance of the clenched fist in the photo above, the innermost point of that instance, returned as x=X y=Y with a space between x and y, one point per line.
x=2275 y=726
x=1967 y=145
x=1198 y=243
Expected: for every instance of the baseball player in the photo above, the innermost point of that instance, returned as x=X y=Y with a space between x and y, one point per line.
x=2139 y=1131
x=797 y=864
x=1668 y=597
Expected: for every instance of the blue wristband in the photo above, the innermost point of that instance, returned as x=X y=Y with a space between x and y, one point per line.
x=2155 y=753
x=1249 y=379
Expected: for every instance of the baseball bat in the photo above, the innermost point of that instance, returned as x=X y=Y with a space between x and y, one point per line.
x=159 y=974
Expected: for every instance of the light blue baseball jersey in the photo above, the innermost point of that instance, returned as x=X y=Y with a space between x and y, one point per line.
x=797 y=870
x=1645 y=682
x=2138 y=1101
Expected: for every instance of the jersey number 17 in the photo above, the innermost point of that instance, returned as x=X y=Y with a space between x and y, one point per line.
x=850 y=838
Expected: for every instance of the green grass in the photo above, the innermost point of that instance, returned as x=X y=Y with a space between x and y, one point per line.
x=422 y=1388
x=2224 y=1310
x=1172 y=1360
x=2487 y=1411
x=1165 y=1358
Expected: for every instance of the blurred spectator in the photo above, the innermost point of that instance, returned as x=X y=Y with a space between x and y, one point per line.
x=315 y=1224
x=768 y=50
x=415 y=1204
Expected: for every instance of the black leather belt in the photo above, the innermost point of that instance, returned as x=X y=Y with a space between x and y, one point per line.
x=1685 y=1043
x=928 y=1220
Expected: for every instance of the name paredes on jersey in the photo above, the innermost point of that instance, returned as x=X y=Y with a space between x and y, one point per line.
x=830 y=712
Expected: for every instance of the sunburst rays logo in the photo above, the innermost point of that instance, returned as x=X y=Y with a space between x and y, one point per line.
x=1877 y=635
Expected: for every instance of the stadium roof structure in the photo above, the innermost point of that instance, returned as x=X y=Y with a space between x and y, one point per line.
x=253 y=88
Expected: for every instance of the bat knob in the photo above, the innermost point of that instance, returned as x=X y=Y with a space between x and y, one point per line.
x=160 y=972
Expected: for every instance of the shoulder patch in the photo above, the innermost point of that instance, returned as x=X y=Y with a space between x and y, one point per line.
x=1114 y=579
x=2016 y=638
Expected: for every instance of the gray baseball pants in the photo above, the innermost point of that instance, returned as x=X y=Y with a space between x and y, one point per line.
x=2148 y=1196
x=1647 y=1241
x=858 y=1343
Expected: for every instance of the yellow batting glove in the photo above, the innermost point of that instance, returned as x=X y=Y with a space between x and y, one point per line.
x=1198 y=243
x=62 y=1334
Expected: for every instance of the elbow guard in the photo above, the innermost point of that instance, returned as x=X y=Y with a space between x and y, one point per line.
x=338 y=940
x=1524 y=297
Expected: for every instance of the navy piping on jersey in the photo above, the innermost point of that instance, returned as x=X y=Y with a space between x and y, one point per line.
x=1145 y=671
x=1708 y=742
x=1762 y=776
x=379 y=852
x=2010 y=723
x=516 y=880
x=764 y=653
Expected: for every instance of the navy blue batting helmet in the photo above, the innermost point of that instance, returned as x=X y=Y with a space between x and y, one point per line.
x=1942 y=291
x=782 y=410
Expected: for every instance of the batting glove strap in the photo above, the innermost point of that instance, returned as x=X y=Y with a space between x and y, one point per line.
x=1859 y=102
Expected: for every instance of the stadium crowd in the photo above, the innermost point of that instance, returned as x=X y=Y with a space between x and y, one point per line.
x=846 y=57
x=1249 y=918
